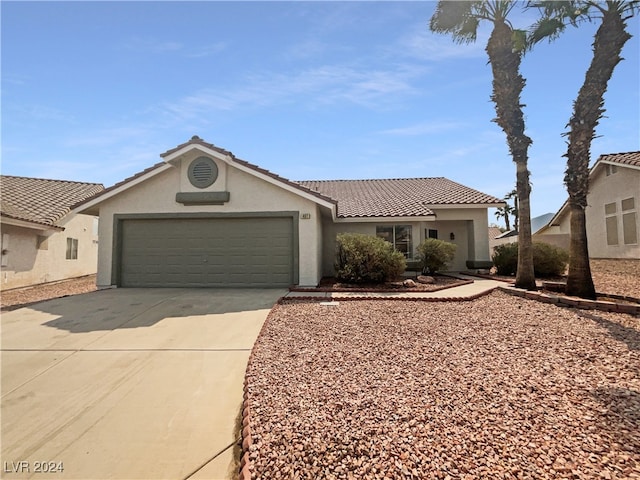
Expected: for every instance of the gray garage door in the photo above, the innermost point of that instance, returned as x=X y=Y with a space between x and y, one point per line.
x=207 y=252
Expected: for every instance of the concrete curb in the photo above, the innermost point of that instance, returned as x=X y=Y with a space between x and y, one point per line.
x=574 y=302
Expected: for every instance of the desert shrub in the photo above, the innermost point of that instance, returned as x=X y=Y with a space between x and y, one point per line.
x=505 y=258
x=548 y=260
x=367 y=259
x=434 y=254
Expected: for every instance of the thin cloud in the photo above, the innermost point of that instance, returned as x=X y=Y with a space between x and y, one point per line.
x=319 y=86
x=420 y=43
x=208 y=50
x=425 y=128
x=151 y=45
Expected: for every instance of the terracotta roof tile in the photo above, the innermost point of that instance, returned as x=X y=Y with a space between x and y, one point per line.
x=42 y=201
x=403 y=197
x=628 y=158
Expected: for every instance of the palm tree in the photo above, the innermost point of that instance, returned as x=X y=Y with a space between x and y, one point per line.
x=588 y=108
x=505 y=48
x=504 y=212
x=513 y=194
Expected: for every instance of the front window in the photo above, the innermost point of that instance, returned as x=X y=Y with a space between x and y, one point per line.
x=72 y=249
x=629 y=231
x=399 y=236
x=611 y=223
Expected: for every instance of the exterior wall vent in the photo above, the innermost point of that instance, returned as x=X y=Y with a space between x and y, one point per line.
x=202 y=172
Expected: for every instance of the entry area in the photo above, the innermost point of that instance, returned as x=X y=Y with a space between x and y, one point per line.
x=206 y=252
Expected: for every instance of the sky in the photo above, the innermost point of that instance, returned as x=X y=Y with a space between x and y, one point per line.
x=96 y=91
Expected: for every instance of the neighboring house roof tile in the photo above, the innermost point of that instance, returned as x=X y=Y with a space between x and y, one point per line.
x=42 y=201
x=494 y=232
x=400 y=197
x=628 y=158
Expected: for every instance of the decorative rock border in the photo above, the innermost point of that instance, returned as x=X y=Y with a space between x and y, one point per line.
x=382 y=290
x=576 y=302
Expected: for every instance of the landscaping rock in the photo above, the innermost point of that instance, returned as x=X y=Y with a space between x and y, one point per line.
x=426 y=279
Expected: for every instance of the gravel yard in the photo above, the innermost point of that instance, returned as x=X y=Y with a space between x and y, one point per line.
x=17 y=297
x=499 y=387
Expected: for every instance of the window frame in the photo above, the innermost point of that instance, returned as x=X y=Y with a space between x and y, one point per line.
x=72 y=249
x=393 y=240
x=629 y=221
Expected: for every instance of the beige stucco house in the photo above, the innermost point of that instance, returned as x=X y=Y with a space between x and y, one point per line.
x=42 y=240
x=612 y=210
x=202 y=217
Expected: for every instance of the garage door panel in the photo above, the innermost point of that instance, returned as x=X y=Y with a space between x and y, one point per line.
x=207 y=252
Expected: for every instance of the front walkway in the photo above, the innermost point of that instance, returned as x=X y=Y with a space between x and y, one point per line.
x=480 y=286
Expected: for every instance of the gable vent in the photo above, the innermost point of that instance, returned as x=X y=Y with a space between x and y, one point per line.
x=202 y=172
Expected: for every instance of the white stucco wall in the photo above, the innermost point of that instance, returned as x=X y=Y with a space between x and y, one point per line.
x=603 y=189
x=623 y=184
x=26 y=264
x=469 y=226
x=247 y=194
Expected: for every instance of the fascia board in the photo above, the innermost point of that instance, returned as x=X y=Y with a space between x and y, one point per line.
x=31 y=225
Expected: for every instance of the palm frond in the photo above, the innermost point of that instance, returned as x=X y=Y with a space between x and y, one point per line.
x=455 y=18
x=548 y=28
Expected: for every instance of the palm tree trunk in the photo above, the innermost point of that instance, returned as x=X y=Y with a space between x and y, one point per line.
x=587 y=111
x=579 y=267
x=525 y=275
x=507 y=87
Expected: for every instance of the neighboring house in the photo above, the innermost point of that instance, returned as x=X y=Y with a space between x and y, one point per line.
x=494 y=232
x=203 y=217
x=511 y=236
x=612 y=209
x=42 y=241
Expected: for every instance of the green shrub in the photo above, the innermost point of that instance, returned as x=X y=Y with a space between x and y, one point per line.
x=505 y=258
x=367 y=259
x=434 y=254
x=548 y=260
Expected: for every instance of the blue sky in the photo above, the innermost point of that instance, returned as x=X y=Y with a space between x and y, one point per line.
x=95 y=91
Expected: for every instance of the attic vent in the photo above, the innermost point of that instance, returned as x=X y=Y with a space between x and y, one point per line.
x=202 y=172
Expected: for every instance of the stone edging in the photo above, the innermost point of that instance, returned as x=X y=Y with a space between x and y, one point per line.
x=575 y=302
x=245 y=461
x=370 y=290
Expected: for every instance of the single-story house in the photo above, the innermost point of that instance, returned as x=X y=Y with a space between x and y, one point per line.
x=612 y=209
x=202 y=217
x=42 y=239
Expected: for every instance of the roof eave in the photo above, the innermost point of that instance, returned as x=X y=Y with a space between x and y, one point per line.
x=17 y=222
x=395 y=218
x=440 y=206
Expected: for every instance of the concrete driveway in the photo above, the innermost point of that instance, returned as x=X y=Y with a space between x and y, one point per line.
x=127 y=383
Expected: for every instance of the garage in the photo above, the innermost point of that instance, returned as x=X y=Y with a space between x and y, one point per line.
x=218 y=251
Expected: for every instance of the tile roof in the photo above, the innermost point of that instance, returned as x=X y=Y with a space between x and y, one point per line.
x=41 y=201
x=627 y=158
x=195 y=140
x=400 y=197
x=494 y=232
